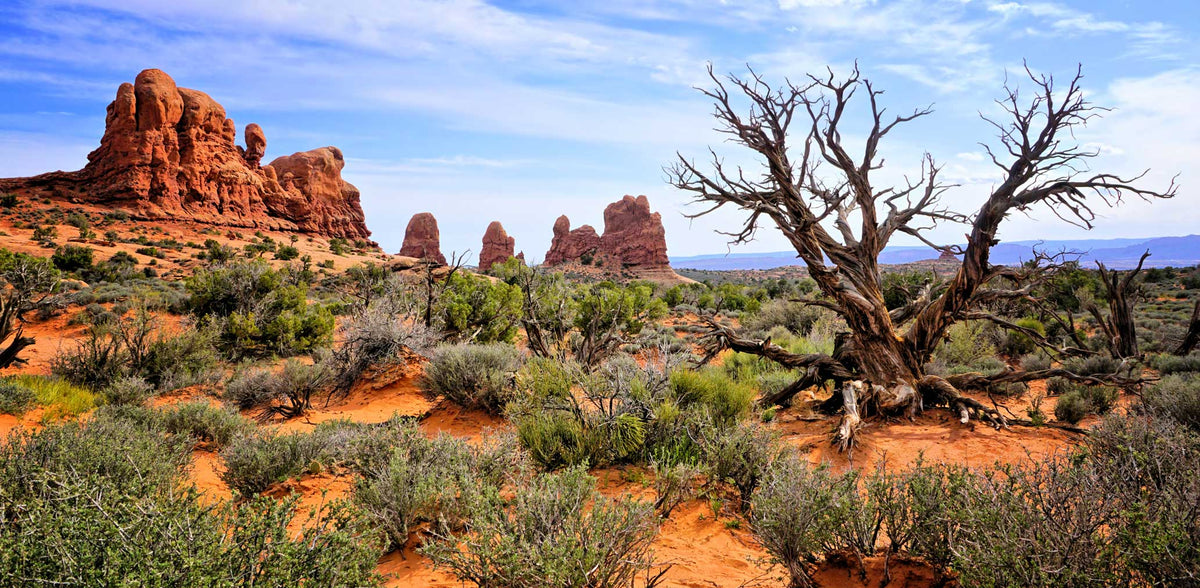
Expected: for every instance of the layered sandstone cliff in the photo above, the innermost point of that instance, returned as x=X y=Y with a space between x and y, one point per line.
x=171 y=153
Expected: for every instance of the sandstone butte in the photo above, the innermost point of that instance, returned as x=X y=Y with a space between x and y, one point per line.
x=633 y=238
x=422 y=239
x=497 y=247
x=170 y=153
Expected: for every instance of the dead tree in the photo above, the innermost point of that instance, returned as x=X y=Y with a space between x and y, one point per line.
x=1193 y=333
x=1119 y=328
x=819 y=192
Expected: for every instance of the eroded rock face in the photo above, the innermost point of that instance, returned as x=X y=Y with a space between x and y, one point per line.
x=633 y=238
x=633 y=235
x=422 y=239
x=570 y=245
x=170 y=153
x=497 y=247
x=256 y=144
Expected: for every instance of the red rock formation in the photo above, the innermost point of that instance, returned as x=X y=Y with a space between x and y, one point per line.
x=170 y=153
x=256 y=144
x=633 y=235
x=422 y=239
x=497 y=247
x=570 y=245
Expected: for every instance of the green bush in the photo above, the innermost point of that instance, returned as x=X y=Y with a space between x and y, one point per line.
x=257 y=311
x=286 y=253
x=130 y=390
x=741 y=455
x=254 y=462
x=111 y=494
x=1178 y=396
x=475 y=376
x=474 y=308
x=72 y=258
x=60 y=398
x=1096 y=365
x=606 y=423
x=726 y=400
x=138 y=346
x=1081 y=400
x=206 y=422
x=1033 y=362
x=287 y=393
x=16 y=399
x=555 y=531
x=1017 y=343
x=796 y=513
x=1042 y=523
x=426 y=480
x=1174 y=364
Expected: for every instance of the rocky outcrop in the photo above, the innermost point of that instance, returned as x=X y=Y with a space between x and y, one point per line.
x=256 y=145
x=497 y=247
x=171 y=153
x=570 y=245
x=633 y=238
x=633 y=235
x=422 y=239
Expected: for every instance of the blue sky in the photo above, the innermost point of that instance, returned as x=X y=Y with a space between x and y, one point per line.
x=520 y=111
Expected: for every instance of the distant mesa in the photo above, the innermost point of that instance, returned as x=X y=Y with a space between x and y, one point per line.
x=497 y=247
x=170 y=153
x=422 y=239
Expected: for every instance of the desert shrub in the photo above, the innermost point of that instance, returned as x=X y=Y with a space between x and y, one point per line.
x=674 y=484
x=138 y=346
x=1033 y=362
x=555 y=531
x=915 y=506
x=111 y=494
x=1082 y=400
x=1150 y=467
x=376 y=336
x=129 y=390
x=796 y=514
x=286 y=393
x=426 y=480
x=16 y=399
x=797 y=318
x=1016 y=343
x=257 y=311
x=1174 y=364
x=205 y=422
x=1058 y=386
x=740 y=455
x=1071 y=407
x=476 y=376
x=286 y=253
x=1041 y=523
x=72 y=258
x=474 y=308
x=727 y=401
x=1095 y=365
x=967 y=347
x=251 y=388
x=1178 y=396
x=255 y=461
x=9 y=200
x=607 y=422
x=60 y=398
